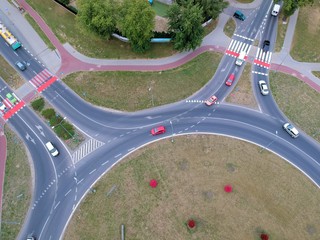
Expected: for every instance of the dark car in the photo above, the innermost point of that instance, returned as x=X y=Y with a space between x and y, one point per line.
x=266 y=45
x=239 y=15
x=21 y=65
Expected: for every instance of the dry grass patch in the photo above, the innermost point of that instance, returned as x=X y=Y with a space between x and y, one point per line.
x=17 y=187
x=282 y=29
x=268 y=194
x=230 y=27
x=242 y=93
x=307 y=32
x=10 y=75
x=298 y=101
x=132 y=91
x=317 y=74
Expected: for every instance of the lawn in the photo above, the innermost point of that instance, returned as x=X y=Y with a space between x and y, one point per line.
x=230 y=27
x=17 y=187
x=306 y=38
x=63 y=24
x=297 y=101
x=131 y=91
x=10 y=75
x=160 y=8
x=242 y=93
x=282 y=28
x=268 y=195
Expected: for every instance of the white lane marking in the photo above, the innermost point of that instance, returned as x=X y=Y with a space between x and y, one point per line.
x=192 y=126
x=118 y=155
x=131 y=149
x=79 y=182
x=67 y=193
x=56 y=205
x=93 y=171
x=104 y=163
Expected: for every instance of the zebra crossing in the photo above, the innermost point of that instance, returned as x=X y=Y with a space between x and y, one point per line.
x=262 y=58
x=196 y=101
x=235 y=47
x=85 y=149
x=40 y=78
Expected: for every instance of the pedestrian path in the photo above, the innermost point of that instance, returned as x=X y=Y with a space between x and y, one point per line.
x=85 y=149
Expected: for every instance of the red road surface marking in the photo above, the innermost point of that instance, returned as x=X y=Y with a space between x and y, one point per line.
x=232 y=53
x=256 y=61
x=13 y=110
x=47 y=84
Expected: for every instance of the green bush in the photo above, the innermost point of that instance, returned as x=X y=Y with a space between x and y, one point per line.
x=38 y=104
x=64 y=130
x=55 y=120
x=48 y=113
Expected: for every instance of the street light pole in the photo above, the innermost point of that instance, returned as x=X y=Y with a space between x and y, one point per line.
x=150 y=90
x=171 y=131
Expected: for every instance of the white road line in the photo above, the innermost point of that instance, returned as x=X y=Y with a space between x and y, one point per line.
x=93 y=171
x=67 y=193
x=104 y=163
x=118 y=155
x=192 y=126
x=121 y=135
x=79 y=182
x=131 y=149
x=57 y=205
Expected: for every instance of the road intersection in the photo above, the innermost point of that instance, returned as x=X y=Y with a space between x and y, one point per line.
x=62 y=182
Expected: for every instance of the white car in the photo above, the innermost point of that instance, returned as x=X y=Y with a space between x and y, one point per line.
x=263 y=87
x=291 y=130
x=54 y=152
x=3 y=107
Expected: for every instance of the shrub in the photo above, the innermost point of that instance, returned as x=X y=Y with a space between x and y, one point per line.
x=38 y=104
x=55 y=120
x=48 y=113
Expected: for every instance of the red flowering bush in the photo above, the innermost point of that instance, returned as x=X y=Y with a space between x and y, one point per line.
x=264 y=236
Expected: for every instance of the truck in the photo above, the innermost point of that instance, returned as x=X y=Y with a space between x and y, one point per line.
x=241 y=58
x=276 y=9
x=9 y=38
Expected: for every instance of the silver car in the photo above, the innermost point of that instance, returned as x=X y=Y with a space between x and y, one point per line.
x=263 y=87
x=291 y=130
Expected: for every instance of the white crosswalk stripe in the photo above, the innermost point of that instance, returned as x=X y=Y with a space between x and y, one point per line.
x=85 y=149
x=40 y=78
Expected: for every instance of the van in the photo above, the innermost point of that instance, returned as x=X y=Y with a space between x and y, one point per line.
x=275 y=10
x=54 y=152
x=293 y=132
x=241 y=58
x=239 y=15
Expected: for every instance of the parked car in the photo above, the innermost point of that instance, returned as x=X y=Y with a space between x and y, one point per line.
x=211 y=100
x=31 y=237
x=263 y=87
x=158 y=130
x=3 y=107
x=293 y=132
x=230 y=80
x=266 y=45
x=11 y=98
x=21 y=65
x=239 y=15
x=53 y=151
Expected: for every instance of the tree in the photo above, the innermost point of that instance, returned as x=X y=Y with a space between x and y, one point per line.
x=185 y=22
x=98 y=16
x=137 y=23
x=211 y=8
x=290 y=6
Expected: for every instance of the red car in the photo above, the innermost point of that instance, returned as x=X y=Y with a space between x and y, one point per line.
x=230 y=80
x=158 y=130
x=211 y=100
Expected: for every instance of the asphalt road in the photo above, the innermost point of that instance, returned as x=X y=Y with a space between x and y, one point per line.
x=60 y=184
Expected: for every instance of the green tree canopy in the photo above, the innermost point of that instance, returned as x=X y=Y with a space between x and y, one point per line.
x=211 y=8
x=137 y=23
x=185 y=22
x=290 y=6
x=99 y=16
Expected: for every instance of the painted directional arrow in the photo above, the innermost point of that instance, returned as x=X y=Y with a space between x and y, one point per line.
x=30 y=138
x=40 y=130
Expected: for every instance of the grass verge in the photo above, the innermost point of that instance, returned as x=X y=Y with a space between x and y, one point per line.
x=17 y=187
x=36 y=27
x=268 y=195
x=10 y=75
x=64 y=26
x=317 y=74
x=230 y=27
x=242 y=93
x=307 y=34
x=282 y=29
x=131 y=91
x=298 y=101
